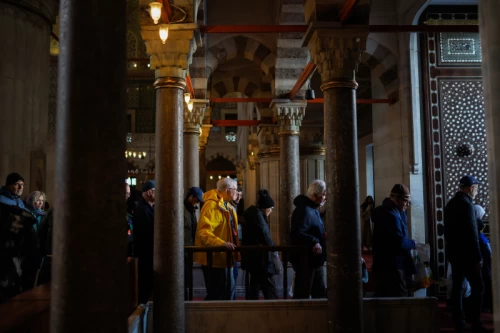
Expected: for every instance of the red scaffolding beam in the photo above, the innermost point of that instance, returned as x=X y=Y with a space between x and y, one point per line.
x=304 y=76
x=303 y=28
x=235 y=123
x=346 y=10
x=313 y=101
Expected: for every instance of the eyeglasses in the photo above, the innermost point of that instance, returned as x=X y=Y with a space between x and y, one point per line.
x=406 y=201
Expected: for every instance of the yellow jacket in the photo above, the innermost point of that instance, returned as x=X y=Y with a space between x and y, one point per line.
x=214 y=228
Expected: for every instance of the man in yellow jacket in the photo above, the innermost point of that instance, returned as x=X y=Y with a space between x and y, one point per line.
x=218 y=226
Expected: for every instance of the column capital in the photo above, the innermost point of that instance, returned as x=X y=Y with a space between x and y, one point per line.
x=336 y=52
x=289 y=115
x=253 y=148
x=205 y=132
x=178 y=49
x=193 y=119
x=268 y=141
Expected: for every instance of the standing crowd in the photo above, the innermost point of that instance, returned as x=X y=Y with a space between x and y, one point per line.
x=26 y=248
x=25 y=238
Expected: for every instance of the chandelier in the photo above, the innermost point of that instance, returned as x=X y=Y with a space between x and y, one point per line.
x=132 y=153
x=231 y=137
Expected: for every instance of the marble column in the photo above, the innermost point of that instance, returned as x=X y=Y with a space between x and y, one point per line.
x=202 y=154
x=89 y=273
x=171 y=62
x=192 y=131
x=490 y=39
x=336 y=56
x=168 y=285
x=24 y=89
x=289 y=115
x=258 y=185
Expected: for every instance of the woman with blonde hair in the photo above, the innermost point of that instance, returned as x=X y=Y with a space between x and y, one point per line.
x=35 y=203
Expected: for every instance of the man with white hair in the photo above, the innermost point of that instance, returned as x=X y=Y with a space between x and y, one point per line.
x=218 y=226
x=308 y=230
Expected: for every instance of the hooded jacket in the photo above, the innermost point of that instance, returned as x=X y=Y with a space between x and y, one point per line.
x=391 y=245
x=214 y=228
x=307 y=230
x=256 y=232
x=9 y=199
x=190 y=223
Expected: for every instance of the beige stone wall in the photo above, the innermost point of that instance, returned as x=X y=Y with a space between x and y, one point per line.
x=24 y=92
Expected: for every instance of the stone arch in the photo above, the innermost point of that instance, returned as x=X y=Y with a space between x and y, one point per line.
x=231 y=159
x=243 y=85
x=242 y=46
x=384 y=66
x=292 y=58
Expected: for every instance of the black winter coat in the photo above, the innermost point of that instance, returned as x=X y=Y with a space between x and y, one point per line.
x=143 y=225
x=256 y=231
x=460 y=230
x=307 y=229
x=391 y=245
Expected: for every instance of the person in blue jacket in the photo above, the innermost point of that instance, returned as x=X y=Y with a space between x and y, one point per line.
x=392 y=262
x=10 y=194
x=307 y=230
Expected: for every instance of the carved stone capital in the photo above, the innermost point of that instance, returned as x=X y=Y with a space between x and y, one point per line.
x=269 y=143
x=205 y=132
x=178 y=49
x=193 y=119
x=336 y=52
x=253 y=148
x=289 y=115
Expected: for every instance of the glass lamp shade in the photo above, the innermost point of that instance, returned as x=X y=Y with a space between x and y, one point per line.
x=190 y=106
x=155 y=10
x=163 y=32
x=187 y=97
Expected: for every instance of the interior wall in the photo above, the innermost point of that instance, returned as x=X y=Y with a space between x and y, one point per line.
x=364 y=172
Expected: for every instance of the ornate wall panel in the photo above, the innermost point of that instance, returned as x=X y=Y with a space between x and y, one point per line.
x=456 y=135
x=141 y=97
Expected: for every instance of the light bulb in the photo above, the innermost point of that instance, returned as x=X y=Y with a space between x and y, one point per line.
x=134 y=154
x=227 y=177
x=163 y=32
x=220 y=177
x=252 y=153
x=190 y=106
x=211 y=177
x=187 y=97
x=144 y=153
x=155 y=10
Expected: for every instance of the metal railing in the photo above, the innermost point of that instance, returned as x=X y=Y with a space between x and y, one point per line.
x=209 y=250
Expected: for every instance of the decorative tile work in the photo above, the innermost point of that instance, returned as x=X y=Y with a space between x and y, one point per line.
x=133 y=96
x=131 y=45
x=141 y=97
x=457 y=140
x=464 y=136
x=458 y=47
